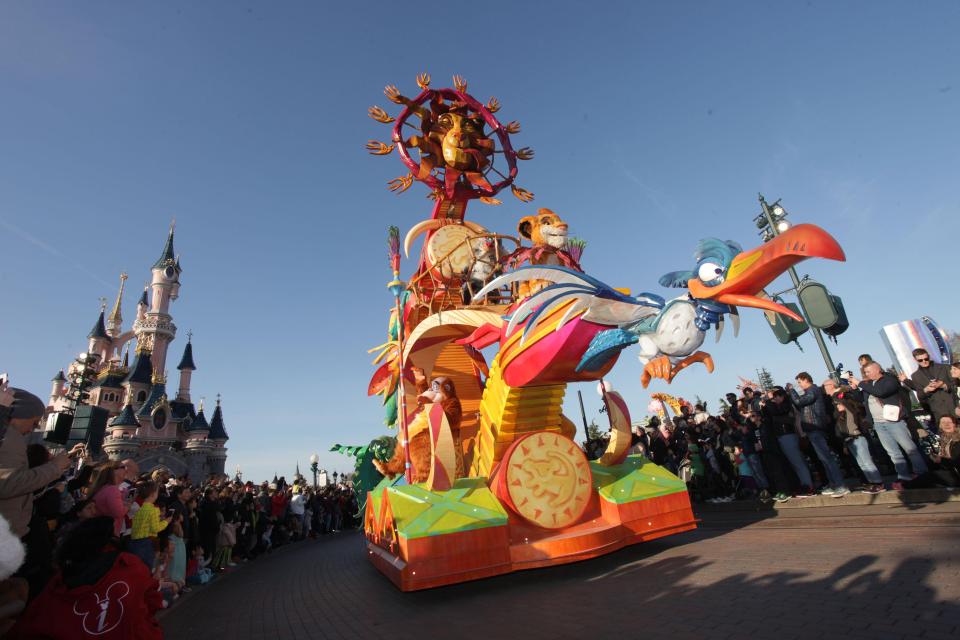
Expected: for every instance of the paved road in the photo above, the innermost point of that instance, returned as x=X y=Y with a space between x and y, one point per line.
x=884 y=571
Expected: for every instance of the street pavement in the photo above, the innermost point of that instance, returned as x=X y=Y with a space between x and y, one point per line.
x=871 y=571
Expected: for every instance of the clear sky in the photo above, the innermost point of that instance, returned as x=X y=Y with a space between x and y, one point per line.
x=655 y=124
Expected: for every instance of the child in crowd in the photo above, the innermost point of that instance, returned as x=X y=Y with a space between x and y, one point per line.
x=177 y=569
x=147 y=523
x=161 y=568
x=225 y=541
x=748 y=484
x=197 y=570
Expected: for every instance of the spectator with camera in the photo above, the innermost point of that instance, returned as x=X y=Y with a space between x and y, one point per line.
x=813 y=420
x=852 y=425
x=883 y=400
x=934 y=385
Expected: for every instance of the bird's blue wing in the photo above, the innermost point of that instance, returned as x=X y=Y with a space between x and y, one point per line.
x=604 y=346
x=676 y=279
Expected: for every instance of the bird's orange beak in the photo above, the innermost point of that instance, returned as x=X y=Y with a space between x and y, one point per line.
x=753 y=270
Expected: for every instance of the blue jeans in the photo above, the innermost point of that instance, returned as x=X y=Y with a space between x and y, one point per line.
x=790 y=445
x=860 y=448
x=758 y=474
x=819 y=442
x=895 y=436
x=143 y=549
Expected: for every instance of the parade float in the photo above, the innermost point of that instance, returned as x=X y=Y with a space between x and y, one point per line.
x=483 y=339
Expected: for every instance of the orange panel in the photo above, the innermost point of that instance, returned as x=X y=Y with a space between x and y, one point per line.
x=434 y=561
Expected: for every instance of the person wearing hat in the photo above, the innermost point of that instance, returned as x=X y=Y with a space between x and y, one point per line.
x=17 y=480
x=298 y=504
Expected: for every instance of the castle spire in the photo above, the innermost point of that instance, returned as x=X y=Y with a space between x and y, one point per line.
x=115 y=321
x=217 y=430
x=186 y=362
x=186 y=368
x=167 y=257
x=99 y=327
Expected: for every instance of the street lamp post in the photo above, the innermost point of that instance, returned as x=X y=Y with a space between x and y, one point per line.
x=314 y=466
x=774 y=216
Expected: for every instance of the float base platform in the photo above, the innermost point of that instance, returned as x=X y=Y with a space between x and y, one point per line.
x=421 y=539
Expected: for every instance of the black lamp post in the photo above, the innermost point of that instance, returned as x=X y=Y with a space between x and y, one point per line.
x=314 y=466
x=771 y=224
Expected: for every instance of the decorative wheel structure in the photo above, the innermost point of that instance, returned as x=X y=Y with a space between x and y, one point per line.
x=458 y=149
x=545 y=479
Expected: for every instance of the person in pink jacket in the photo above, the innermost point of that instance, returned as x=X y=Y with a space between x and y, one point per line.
x=106 y=493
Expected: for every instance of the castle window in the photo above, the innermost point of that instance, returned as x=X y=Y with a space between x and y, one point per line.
x=141 y=396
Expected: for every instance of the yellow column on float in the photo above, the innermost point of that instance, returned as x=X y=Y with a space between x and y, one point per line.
x=506 y=413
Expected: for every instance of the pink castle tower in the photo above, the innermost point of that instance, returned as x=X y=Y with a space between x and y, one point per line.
x=144 y=423
x=155 y=331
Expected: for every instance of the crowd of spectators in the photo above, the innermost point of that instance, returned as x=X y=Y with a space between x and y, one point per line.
x=93 y=548
x=804 y=438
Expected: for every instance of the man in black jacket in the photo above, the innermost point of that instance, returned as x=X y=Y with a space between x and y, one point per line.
x=882 y=393
x=780 y=418
x=814 y=422
x=934 y=385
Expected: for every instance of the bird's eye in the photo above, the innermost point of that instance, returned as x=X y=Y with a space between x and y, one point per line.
x=445 y=120
x=709 y=271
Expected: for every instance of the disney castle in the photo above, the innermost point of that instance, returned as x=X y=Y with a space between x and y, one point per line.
x=144 y=423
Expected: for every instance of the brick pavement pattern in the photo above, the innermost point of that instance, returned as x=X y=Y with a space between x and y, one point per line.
x=887 y=571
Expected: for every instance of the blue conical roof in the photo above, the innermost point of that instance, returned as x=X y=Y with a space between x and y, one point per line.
x=125 y=419
x=217 y=431
x=167 y=257
x=186 y=362
x=142 y=370
x=199 y=422
x=59 y=377
x=143 y=298
x=99 y=328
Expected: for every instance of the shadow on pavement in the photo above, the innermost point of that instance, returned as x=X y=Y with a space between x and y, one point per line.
x=731 y=583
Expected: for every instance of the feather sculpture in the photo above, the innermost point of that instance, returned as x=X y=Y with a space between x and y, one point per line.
x=575 y=247
x=393 y=248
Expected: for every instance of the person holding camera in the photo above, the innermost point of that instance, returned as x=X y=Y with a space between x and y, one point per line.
x=17 y=480
x=813 y=422
x=882 y=392
x=934 y=385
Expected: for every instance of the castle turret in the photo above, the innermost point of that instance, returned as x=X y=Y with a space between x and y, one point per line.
x=57 y=388
x=121 y=441
x=156 y=328
x=199 y=428
x=186 y=368
x=115 y=321
x=197 y=447
x=125 y=424
x=143 y=305
x=99 y=341
x=217 y=458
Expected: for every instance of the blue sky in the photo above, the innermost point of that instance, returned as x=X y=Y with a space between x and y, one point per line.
x=655 y=124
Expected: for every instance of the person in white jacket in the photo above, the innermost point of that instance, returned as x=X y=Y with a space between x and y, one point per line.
x=298 y=505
